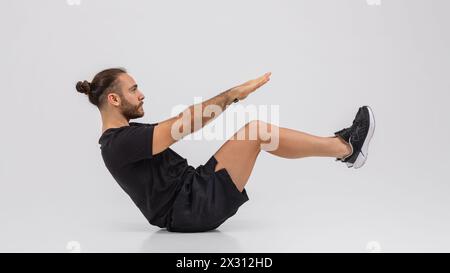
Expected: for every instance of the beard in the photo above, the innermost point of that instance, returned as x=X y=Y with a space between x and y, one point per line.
x=130 y=111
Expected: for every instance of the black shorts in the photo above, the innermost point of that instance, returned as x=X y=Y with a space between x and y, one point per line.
x=205 y=200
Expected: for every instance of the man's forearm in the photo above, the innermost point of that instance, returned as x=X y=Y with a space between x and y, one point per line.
x=200 y=114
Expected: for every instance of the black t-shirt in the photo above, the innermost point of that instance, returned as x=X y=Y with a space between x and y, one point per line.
x=151 y=181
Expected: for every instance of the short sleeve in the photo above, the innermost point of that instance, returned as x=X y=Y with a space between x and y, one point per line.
x=136 y=143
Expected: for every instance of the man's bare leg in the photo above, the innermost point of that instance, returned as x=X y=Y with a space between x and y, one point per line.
x=238 y=155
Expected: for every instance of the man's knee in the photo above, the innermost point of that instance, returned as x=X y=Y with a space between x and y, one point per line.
x=266 y=133
x=260 y=130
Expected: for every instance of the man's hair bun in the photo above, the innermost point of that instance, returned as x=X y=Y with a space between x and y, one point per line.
x=104 y=82
x=83 y=87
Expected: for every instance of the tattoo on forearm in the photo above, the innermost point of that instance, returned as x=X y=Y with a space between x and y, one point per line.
x=203 y=113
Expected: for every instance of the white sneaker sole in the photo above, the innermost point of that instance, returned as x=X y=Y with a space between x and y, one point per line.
x=362 y=156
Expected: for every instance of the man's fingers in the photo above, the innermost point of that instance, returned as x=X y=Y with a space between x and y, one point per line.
x=265 y=76
x=261 y=80
x=261 y=83
x=258 y=82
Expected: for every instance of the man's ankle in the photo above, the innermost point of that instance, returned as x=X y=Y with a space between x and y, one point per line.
x=345 y=148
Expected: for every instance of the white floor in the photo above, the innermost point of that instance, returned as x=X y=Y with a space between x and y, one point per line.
x=349 y=214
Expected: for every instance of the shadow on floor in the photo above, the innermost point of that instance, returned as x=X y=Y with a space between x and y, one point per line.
x=210 y=241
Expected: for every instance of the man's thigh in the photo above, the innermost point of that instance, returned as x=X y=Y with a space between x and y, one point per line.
x=238 y=155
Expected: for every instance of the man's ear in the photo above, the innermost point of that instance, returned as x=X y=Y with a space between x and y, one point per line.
x=114 y=99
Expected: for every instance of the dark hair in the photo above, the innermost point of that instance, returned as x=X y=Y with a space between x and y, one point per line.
x=104 y=80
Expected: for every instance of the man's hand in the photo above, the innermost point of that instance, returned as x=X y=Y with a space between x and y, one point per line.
x=240 y=92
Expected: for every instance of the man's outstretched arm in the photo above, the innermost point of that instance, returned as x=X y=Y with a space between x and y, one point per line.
x=198 y=115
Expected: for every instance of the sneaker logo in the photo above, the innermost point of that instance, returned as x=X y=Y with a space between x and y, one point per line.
x=356 y=133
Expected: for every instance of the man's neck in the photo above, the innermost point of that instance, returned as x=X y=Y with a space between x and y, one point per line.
x=113 y=123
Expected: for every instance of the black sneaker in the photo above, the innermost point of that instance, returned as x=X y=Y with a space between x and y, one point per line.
x=358 y=136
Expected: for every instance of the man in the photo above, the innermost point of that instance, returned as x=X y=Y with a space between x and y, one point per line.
x=174 y=195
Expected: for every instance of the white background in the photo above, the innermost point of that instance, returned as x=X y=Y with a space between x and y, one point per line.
x=327 y=58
